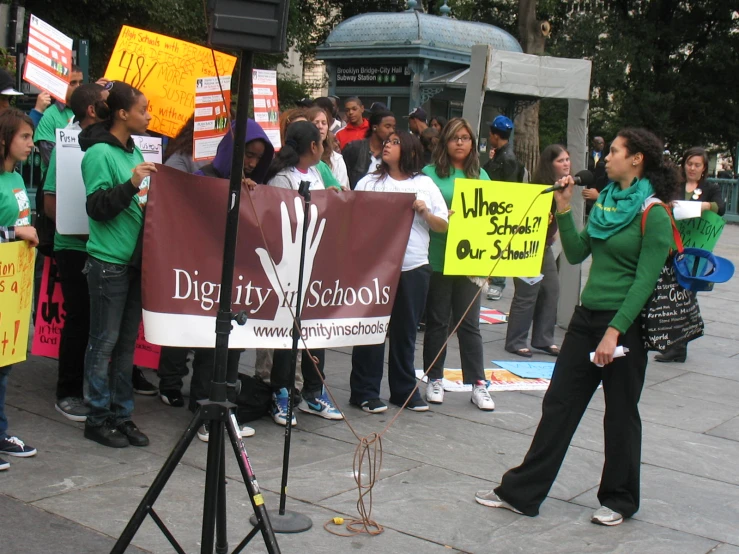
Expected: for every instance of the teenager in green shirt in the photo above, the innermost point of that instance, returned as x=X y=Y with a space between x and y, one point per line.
x=117 y=182
x=16 y=144
x=70 y=253
x=625 y=269
x=455 y=157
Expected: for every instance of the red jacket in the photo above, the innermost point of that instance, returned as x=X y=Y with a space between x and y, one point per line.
x=352 y=132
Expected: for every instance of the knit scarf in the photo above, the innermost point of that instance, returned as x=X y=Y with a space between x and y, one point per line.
x=616 y=208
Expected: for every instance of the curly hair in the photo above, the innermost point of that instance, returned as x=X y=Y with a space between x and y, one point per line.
x=441 y=158
x=661 y=173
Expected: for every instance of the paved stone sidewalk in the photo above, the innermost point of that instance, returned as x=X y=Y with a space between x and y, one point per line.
x=76 y=496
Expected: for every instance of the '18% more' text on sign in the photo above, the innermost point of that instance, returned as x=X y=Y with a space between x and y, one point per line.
x=497 y=225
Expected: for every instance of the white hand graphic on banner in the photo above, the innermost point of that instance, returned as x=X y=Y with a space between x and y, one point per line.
x=288 y=268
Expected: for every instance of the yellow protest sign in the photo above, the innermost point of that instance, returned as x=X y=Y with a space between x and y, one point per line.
x=487 y=216
x=165 y=69
x=16 y=297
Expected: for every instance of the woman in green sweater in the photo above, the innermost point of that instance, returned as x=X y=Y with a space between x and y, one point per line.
x=455 y=157
x=117 y=182
x=624 y=272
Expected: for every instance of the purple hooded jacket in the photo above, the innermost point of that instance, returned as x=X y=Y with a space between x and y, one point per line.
x=221 y=164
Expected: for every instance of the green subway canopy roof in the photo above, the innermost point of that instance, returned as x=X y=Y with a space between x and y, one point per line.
x=412 y=33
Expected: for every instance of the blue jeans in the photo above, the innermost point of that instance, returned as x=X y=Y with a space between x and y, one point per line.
x=4 y=372
x=115 y=314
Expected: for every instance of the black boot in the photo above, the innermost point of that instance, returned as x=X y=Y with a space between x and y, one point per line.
x=675 y=354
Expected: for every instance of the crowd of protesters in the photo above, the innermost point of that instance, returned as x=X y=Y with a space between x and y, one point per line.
x=342 y=146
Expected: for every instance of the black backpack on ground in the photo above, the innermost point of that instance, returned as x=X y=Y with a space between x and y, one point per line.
x=254 y=399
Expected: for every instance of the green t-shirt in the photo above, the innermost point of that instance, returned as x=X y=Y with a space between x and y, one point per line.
x=437 y=245
x=625 y=266
x=52 y=120
x=103 y=167
x=61 y=242
x=328 y=177
x=15 y=209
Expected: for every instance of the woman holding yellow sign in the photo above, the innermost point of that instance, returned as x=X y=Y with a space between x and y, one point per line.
x=625 y=268
x=455 y=157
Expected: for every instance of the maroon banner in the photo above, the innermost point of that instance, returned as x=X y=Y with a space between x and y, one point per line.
x=354 y=251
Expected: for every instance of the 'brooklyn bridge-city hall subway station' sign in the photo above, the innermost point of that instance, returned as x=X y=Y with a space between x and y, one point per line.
x=373 y=75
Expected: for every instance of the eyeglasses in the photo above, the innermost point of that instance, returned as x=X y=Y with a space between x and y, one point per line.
x=464 y=140
x=394 y=142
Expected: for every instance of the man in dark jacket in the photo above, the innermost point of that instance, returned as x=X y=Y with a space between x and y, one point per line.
x=503 y=166
x=363 y=156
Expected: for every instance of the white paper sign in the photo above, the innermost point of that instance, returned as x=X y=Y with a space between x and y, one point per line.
x=686 y=209
x=71 y=197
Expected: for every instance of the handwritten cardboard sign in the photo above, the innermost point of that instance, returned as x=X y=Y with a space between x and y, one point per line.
x=211 y=115
x=497 y=226
x=16 y=296
x=71 y=211
x=701 y=232
x=49 y=60
x=165 y=69
x=50 y=317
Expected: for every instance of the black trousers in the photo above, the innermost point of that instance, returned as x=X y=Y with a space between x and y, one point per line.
x=449 y=295
x=76 y=330
x=574 y=381
x=280 y=375
x=367 y=361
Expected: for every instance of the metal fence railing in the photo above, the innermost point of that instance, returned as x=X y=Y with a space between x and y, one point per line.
x=730 y=192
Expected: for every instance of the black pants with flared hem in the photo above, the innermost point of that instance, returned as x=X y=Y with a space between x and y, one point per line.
x=574 y=381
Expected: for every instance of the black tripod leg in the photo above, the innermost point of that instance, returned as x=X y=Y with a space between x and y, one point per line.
x=212 y=478
x=221 y=528
x=252 y=487
x=156 y=487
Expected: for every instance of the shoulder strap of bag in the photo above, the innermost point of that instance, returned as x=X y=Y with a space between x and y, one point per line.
x=675 y=233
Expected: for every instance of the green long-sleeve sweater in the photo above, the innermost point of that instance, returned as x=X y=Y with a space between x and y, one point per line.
x=625 y=267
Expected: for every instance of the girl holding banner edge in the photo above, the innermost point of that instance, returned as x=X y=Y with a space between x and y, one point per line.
x=536 y=302
x=116 y=179
x=455 y=157
x=400 y=171
x=631 y=263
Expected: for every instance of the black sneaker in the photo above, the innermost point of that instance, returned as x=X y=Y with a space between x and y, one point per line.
x=13 y=446
x=417 y=405
x=172 y=398
x=4 y=464
x=374 y=406
x=141 y=385
x=107 y=435
x=132 y=433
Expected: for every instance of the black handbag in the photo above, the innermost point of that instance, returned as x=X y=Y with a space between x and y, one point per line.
x=671 y=316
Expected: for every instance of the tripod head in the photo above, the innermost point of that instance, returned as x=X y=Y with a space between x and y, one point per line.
x=304 y=190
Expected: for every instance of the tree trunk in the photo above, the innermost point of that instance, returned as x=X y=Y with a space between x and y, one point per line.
x=532 y=35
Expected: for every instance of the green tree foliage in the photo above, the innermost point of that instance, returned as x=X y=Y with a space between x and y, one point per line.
x=668 y=65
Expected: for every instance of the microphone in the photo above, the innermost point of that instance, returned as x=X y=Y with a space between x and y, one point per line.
x=583 y=178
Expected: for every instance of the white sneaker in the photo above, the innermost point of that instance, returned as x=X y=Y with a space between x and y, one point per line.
x=491 y=500
x=435 y=391
x=481 y=398
x=605 y=516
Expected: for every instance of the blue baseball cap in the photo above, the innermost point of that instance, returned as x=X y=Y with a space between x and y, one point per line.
x=501 y=123
x=698 y=269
